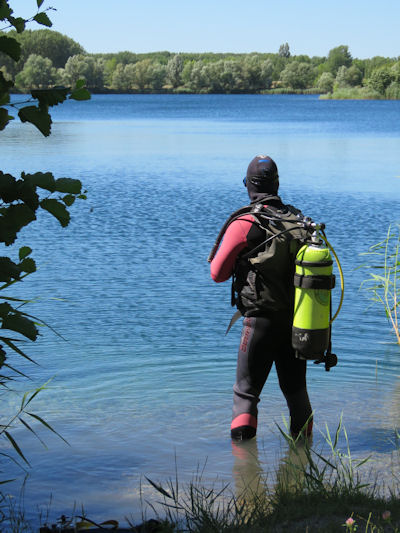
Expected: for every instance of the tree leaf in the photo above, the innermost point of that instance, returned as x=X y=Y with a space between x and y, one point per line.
x=24 y=251
x=5 y=10
x=44 y=180
x=8 y=188
x=79 y=84
x=27 y=193
x=4 y=118
x=14 y=218
x=11 y=47
x=8 y=270
x=68 y=185
x=39 y=3
x=21 y=324
x=50 y=97
x=5 y=309
x=80 y=94
x=28 y=265
x=5 y=86
x=38 y=117
x=68 y=199
x=57 y=209
x=18 y=23
x=43 y=19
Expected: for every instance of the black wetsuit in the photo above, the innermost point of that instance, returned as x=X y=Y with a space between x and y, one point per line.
x=265 y=339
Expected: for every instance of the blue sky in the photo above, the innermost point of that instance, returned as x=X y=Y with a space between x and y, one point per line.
x=310 y=27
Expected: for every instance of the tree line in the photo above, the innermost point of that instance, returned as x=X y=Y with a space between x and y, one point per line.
x=49 y=59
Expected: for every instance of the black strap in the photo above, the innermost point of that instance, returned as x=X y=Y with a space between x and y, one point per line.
x=314 y=264
x=314 y=282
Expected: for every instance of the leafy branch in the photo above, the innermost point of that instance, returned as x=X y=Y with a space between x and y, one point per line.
x=21 y=198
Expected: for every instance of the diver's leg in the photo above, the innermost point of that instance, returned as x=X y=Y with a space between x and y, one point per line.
x=253 y=366
x=292 y=381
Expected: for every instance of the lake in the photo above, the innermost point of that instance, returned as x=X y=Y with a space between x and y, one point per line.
x=142 y=385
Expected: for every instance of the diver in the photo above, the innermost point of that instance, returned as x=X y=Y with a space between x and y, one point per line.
x=263 y=292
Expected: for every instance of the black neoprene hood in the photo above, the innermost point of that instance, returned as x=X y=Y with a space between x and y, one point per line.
x=262 y=176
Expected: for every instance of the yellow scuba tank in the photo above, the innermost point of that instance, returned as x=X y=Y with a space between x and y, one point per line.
x=313 y=282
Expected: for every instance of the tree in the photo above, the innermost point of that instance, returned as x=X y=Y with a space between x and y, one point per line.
x=337 y=57
x=380 y=79
x=158 y=74
x=120 y=80
x=174 y=70
x=85 y=67
x=142 y=74
x=340 y=79
x=284 y=50
x=232 y=76
x=251 y=69
x=297 y=75
x=46 y=43
x=38 y=73
x=354 y=76
x=198 y=78
x=20 y=200
x=325 y=82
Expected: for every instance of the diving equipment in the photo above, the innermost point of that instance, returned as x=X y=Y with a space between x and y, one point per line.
x=290 y=238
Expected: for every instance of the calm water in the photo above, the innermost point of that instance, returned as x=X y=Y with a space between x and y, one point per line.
x=147 y=373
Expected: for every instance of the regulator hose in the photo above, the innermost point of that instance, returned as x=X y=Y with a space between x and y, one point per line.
x=340 y=273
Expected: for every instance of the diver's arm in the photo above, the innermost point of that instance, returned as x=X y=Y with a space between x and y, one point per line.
x=234 y=241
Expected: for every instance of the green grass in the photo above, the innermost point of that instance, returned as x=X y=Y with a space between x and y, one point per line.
x=353 y=93
x=311 y=492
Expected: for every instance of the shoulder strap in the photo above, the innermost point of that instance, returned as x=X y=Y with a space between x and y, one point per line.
x=237 y=214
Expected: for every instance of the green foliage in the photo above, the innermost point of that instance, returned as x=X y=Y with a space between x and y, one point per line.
x=174 y=70
x=297 y=75
x=46 y=43
x=383 y=282
x=393 y=91
x=183 y=72
x=284 y=50
x=325 y=82
x=337 y=57
x=38 y=72
x=84 y=67
x=380 y=79
x=348 y=77
x=22 y=198
x=353 y=93
x=315 y=490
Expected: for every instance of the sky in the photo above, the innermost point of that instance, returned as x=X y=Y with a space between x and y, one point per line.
x=311 y=27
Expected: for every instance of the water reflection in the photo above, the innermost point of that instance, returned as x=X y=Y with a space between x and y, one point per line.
x=250 y=478
x=248 y=474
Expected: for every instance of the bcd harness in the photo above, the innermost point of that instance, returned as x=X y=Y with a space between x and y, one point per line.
x=289 y=236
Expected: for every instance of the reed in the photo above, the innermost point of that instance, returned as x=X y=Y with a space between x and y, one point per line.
x=383 y=282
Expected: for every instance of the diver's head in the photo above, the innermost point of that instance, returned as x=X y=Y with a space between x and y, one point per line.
x=262 y=176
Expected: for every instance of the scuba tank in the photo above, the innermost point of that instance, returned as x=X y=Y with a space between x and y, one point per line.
x=312 y=317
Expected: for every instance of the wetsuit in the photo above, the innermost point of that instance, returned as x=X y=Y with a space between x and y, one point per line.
x=265 y=339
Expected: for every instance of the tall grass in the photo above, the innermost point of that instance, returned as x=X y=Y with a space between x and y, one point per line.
x=383 y=282
x=313 y=491
x=353 y=93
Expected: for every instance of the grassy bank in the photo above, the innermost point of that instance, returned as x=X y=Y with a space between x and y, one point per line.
x=353 y=93
x=311 y=492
